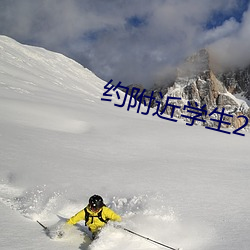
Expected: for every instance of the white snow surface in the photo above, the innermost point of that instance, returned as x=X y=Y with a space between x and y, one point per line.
x=183 y=186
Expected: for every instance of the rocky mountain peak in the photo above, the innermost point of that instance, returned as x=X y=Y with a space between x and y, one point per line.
x=197 y=83
x=237 y=81
x=197 y=64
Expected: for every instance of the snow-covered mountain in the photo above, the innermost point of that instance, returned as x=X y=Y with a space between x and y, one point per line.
x=200 y=84
x=183 y=186
x=197 y=82
x=237 y=81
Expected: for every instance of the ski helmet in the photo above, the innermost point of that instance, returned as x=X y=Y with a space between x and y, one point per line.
x=95 y=202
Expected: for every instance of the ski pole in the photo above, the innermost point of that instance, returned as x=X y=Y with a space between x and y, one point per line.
x=146 y=238
x=45 y=228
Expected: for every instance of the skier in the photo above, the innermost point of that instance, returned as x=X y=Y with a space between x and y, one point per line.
x=95 y=214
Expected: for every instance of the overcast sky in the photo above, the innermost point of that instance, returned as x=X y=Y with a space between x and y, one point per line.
x=133 y=41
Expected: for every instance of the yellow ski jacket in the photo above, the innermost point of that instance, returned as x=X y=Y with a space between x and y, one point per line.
x=94 y=223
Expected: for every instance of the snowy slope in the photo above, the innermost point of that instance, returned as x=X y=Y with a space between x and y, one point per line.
x=183 y=186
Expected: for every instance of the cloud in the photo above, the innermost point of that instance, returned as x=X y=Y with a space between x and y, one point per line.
x=233 y=49
x=131 y=41
x=228 y=28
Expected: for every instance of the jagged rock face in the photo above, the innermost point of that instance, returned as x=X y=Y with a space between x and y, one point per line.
x=237 y=81
x=196 y=82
